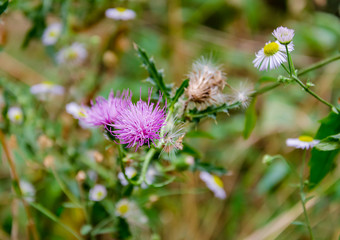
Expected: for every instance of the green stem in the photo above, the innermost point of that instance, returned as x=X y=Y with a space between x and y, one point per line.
x=265 y=89
x=302 y=196
x=311 y=92
x=285 y=68
x=290 y=63
x=319 y=64
x=213 y=110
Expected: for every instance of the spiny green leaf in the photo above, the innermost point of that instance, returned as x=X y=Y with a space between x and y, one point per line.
x=179 y=92
x=156 y=76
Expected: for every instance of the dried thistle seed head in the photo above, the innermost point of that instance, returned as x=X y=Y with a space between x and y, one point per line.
x=206 y=84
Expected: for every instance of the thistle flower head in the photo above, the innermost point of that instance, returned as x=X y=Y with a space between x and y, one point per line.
x=272 y=55
x=105 y=111
x=206 y=84
x=51 y=34
x=15 y=115
x=120 y=13
x=283 y=35
x=73 y=55
x=140 y=123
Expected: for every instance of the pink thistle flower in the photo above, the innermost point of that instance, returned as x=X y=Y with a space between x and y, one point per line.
x=104 y=111
x=140 y=123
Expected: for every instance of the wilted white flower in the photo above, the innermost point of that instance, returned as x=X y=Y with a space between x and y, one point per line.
x=214 y=183
x=242 y=94
x=51 y=34
x=283 y=35
x=302 y=142
x=97 y=193
x=130 y=173
x=27 y=190
x=73 y=55
x=15 y=115
x=120 y=13
x=45 y=89
x=206 y=83
x=271 y=56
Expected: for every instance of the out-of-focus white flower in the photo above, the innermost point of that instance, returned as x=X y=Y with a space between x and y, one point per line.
x=97 y=193
x=46 y=89
x=27 y=190
x=78 y=112
x=283 y=35
x=130 y=173
x=190 y=160
x=51 y=34
x=15 y=115
x=242 y=94
x=73 y=55
x=129 y=210
x=206 y=84
x=302 y=142
x=272 y=55
x=120 y=13
x=214 y=183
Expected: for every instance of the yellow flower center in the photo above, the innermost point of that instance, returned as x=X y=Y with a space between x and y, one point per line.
x=123 y=209
x=218 y=181
x=48 y=83
x=72 y=55
x=271 y=48
x=81 y=113
x=53 y=34
x=99 y=194
x=17 y=116
x=304 y=138
x=120 y=9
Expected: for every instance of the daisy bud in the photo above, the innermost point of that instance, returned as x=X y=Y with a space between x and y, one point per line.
x=206 y=84
x=283 y=35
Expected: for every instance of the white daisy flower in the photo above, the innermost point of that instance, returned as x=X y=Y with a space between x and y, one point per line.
x=271 y=56
x=283 y=35
x=130 y=173
x=75 y=110
x=45 y=89
x=120 y=13
x=214 y=183
x=73 y=55
x=15 y=115
x=27 y=190
x=97 y=193
x=302 y=142
x=51 y=34
x=129 y=210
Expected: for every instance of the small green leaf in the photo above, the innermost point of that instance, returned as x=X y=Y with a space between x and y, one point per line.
x=321 y=162
x=3 y=7
x=208 y=167
x=199 y=134
x=191 y=150
x=251 y=117
x=329 y=144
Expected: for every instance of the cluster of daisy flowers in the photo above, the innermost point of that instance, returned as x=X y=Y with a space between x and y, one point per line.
x=273 y=54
